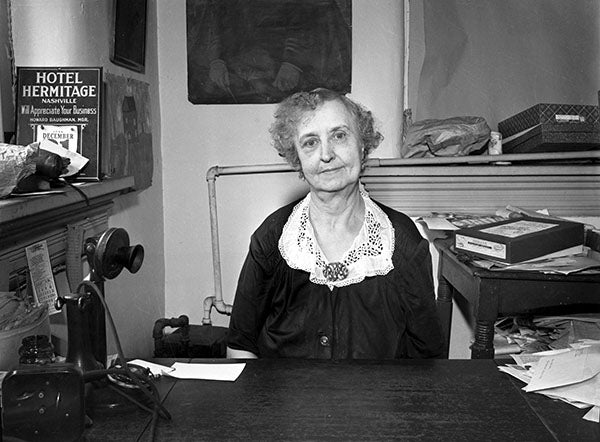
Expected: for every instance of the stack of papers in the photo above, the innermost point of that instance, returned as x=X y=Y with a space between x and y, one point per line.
x=212 y=372
x=570 y=375
x=573 y=260
x=455 y=221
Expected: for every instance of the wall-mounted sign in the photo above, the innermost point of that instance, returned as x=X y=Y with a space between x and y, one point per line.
x=62 y=105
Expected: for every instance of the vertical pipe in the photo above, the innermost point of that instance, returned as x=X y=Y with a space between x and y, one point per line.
x=211 y=177
x=214 y=233
x=217 y=299
x=406 y=13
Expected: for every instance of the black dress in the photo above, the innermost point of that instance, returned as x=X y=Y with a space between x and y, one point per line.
x=279 y=312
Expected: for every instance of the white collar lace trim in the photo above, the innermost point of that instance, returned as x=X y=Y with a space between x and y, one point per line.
x=370 y=253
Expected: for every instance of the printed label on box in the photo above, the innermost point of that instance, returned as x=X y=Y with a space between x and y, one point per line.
x=518 y=228
x=569 y=118
x=478 y=245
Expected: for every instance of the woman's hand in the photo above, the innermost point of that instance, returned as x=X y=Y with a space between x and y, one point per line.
x=240 y=354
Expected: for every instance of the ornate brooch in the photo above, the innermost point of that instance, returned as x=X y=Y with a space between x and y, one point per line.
x=335 y=271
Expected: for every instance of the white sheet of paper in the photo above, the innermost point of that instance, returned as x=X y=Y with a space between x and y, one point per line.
x=593 y=415
x=587 y=392
x=437 y=223
x=531 y=359
x=565 y=368
x=520 y=373
x=212 y=372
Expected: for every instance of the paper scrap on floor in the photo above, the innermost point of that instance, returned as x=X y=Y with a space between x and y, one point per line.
x=571 y=375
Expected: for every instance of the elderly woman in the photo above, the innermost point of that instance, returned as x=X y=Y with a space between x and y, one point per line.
x=335 y=275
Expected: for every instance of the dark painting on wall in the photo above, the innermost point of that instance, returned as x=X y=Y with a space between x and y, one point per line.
x=129 y=34
x=128 y=130
x=260 y=51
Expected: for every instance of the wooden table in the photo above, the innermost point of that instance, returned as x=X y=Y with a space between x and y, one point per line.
x=444 y=400
x=493 y=294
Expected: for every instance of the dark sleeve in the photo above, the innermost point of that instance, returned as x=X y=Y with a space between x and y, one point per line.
x=245 y=323
x=423 y=329
x=253 y=297
x=412 y=262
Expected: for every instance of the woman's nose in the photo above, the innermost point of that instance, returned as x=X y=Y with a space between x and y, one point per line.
x=327 y=152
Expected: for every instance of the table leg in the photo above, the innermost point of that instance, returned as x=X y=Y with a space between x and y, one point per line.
x=483 y=347
x=444 y=306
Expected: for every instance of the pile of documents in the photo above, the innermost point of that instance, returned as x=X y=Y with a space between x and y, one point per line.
x=570 y=375
x=523 y=334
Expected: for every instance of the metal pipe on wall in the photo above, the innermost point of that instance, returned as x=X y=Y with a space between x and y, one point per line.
x=406 y=13
x=216 y=301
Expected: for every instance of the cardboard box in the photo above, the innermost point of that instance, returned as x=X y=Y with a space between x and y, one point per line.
x=521 y=239
x=550 y=127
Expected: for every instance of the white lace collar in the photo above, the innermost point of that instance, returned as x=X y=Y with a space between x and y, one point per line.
x=370 y=253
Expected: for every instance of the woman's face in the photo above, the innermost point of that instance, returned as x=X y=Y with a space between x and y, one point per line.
x=329 y=148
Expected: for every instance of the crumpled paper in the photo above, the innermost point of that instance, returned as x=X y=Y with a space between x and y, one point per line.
x=16 y=162
x=29 y=168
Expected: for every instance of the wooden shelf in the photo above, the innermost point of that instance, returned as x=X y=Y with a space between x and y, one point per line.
x=14 y=209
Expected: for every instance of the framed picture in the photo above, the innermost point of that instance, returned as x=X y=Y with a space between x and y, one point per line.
x=260 y=51
x=129 y=34
x=64 y=105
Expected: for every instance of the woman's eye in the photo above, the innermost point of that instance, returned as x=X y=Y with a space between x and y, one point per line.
x=340 y=136
x=311 y=142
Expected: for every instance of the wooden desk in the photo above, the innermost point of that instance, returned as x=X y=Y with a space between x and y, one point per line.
x=493 y=294
x=361 y=400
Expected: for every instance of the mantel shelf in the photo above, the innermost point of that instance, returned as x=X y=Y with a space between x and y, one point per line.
x=20 y=215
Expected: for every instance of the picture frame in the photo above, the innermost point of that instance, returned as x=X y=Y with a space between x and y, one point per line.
x=259 y=52
x=128 y=48
x=64 y=105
